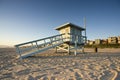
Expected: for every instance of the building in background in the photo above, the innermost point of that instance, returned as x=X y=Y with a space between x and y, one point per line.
x=97 y=41
x=104 y=41
x=112 y=40
x=109 y=40
x=90 y=42
x=118 y=39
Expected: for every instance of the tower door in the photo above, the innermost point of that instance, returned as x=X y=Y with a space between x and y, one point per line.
x=67 y=34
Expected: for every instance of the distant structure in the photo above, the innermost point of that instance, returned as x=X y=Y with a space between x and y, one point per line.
x=90 y=42
x=104 y=41
x=109 y=40
x=97 y=41
x=70 y=38
x=118 y=39
x=112 y=40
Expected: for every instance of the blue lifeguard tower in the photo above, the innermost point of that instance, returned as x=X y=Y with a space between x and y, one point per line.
x=70 y=38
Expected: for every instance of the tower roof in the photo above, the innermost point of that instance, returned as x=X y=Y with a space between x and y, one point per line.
x=69 y=24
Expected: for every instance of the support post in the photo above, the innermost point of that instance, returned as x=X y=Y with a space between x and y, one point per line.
x=69 y=49
x=82 y=49
x=76 y=38
x=75 y=48
x=55 y=49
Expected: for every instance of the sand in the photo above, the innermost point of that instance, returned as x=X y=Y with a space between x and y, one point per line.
x=60 y=66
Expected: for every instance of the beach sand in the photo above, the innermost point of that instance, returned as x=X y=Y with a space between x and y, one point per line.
x=60 y=66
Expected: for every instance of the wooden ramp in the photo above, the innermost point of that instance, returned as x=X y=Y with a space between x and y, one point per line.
x=33 y=47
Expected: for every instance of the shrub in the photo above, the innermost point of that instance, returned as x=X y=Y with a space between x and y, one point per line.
x=103 y=46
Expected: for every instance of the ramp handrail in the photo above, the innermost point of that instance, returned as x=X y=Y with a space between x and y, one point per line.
x=32 y=47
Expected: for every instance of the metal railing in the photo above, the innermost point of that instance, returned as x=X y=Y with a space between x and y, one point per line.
x=75 y=37
x=40 y=45
x=36 y=46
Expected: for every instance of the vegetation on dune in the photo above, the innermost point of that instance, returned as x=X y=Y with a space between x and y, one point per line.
x=103 y=46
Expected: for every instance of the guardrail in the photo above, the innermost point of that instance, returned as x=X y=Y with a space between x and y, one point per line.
x=75 y=37
x=36 y=46
x=40 y=45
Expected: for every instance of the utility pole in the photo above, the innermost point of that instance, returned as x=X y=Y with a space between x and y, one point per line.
x=85 y=29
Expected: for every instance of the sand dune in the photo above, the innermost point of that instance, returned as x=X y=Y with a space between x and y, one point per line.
x=60 y=66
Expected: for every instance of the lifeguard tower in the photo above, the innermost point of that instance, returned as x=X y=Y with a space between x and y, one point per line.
x=70 y=38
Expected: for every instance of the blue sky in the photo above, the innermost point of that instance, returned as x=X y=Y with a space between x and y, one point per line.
x=26 y=20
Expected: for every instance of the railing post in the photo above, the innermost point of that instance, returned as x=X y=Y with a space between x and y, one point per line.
x=62 y=37
x=55 y=40
x=51 y=41
x=18 y=51
x=37 y=45
x=45 y=43
x=32 y=45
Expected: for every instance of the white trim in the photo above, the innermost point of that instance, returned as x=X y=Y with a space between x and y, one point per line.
x=68 y=23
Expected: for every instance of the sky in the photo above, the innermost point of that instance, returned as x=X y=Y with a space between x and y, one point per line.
x=27 y=20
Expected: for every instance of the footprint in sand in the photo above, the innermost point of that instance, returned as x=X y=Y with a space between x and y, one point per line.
x=109 y=75
x=31 y=78
x=78 y=76
x=23 y=72
x=40 y=76
x=117 y=76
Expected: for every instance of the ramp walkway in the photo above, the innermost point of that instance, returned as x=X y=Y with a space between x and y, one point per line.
x=33 y=47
